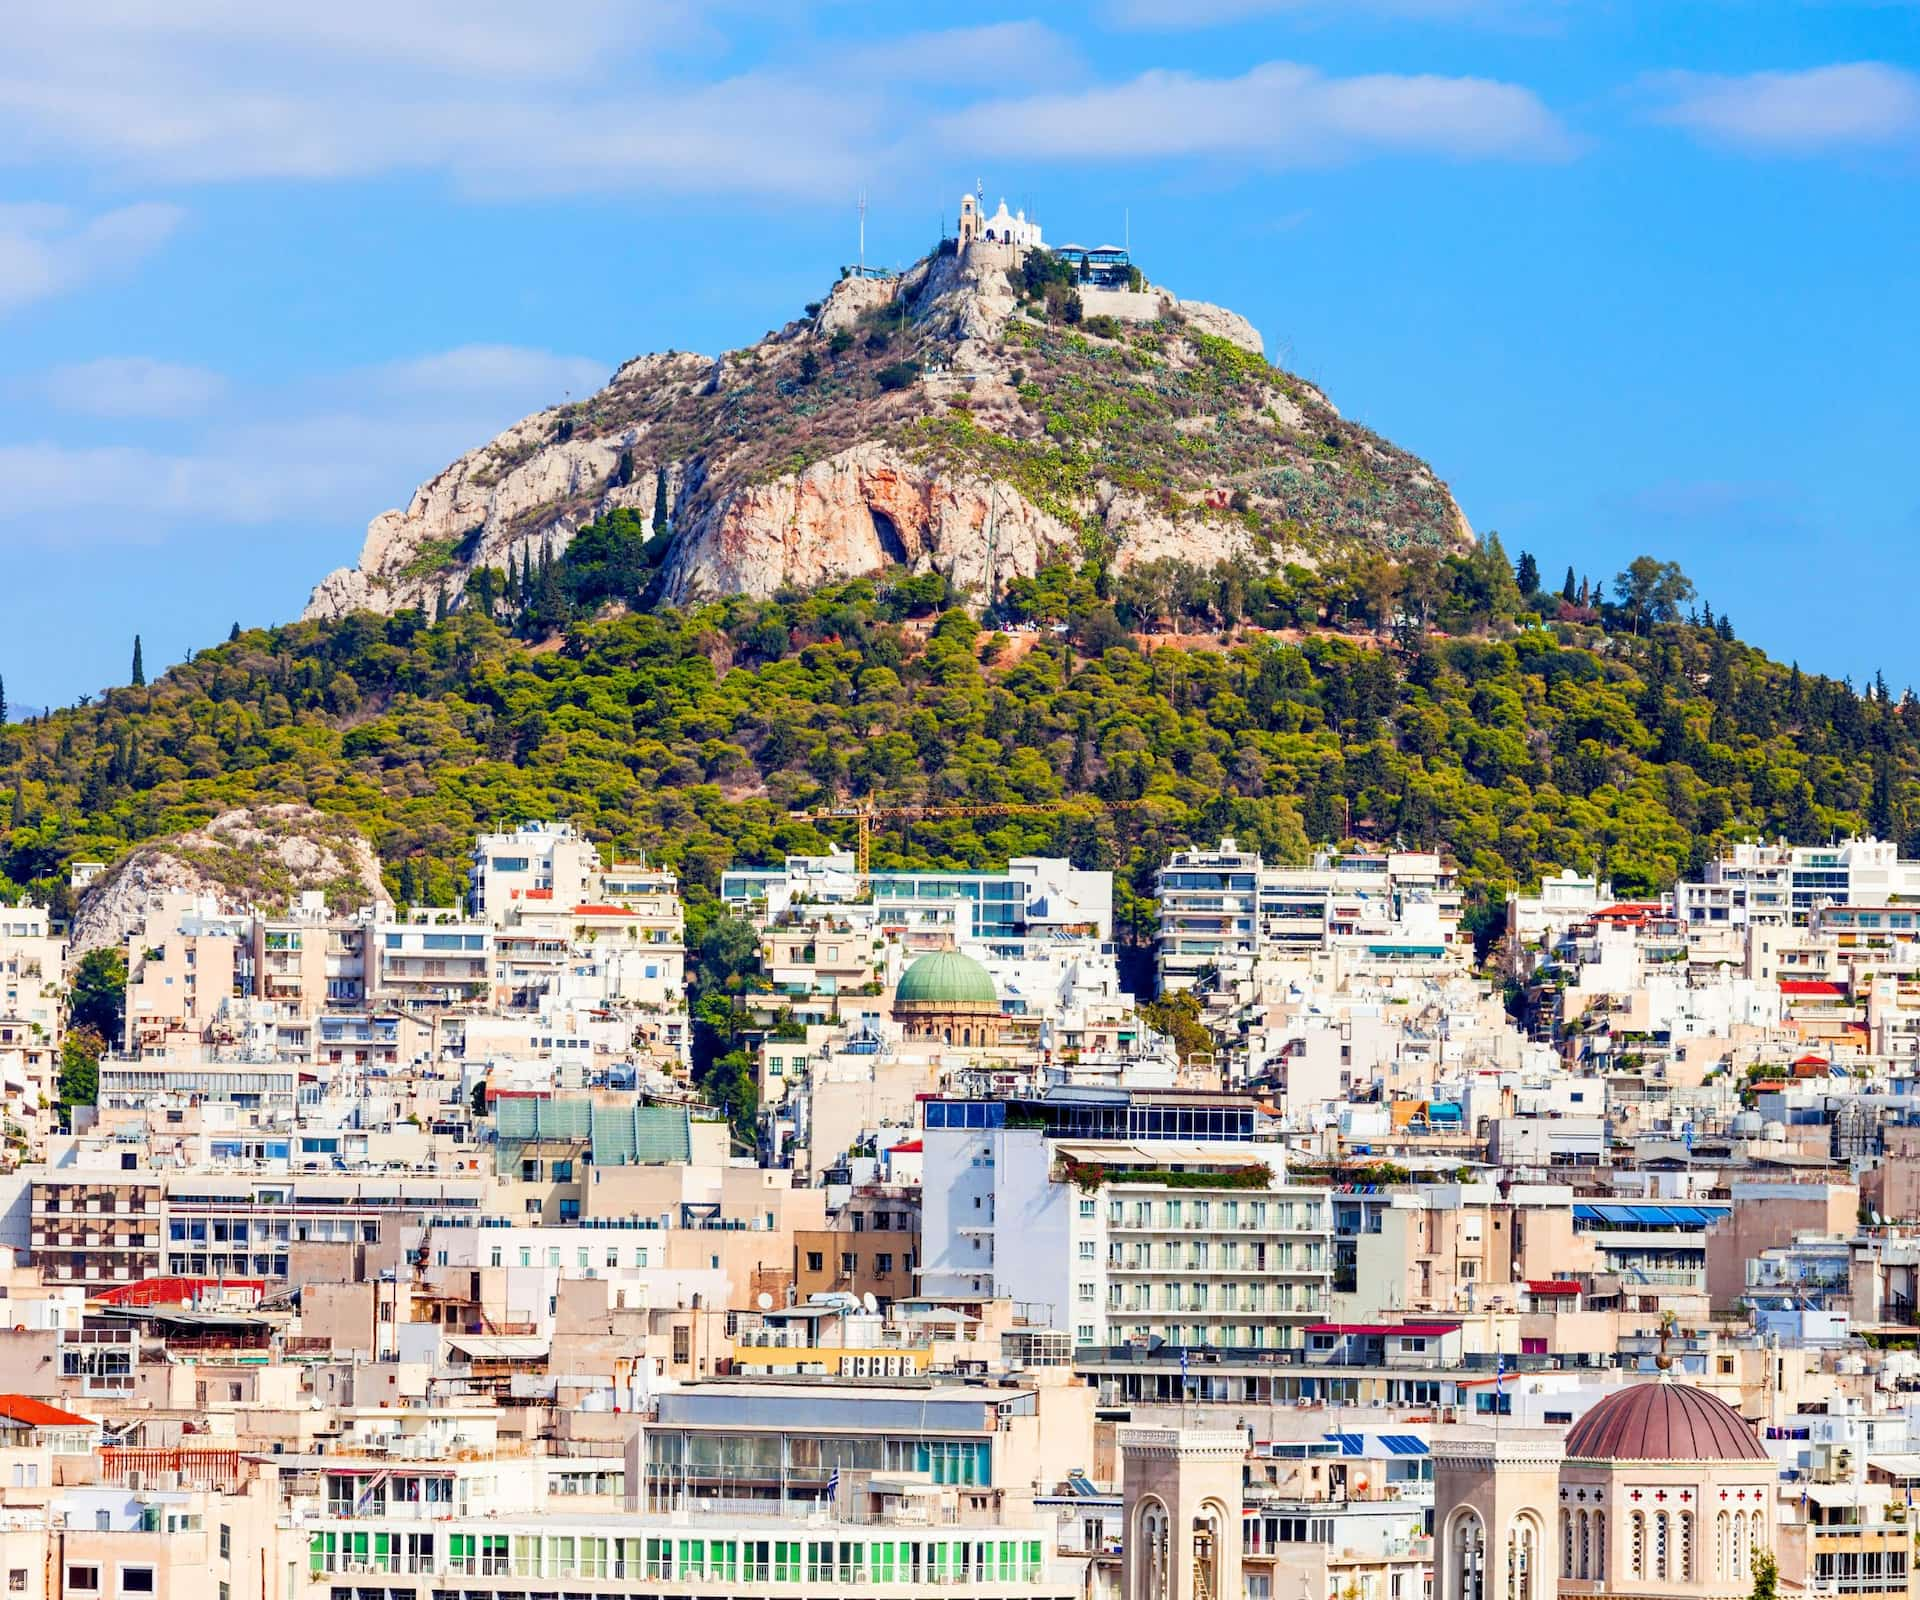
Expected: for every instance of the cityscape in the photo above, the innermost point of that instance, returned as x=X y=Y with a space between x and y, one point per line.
x=849 y=802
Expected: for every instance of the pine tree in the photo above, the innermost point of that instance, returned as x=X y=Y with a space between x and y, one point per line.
x=139 y=666
x=1725 y=627
x=1570 y=590
x=1526 y=573
x=440 y=604
x=659 y=499
x=1883 y=805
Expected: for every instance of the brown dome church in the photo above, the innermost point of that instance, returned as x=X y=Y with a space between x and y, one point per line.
x=1660 y=1490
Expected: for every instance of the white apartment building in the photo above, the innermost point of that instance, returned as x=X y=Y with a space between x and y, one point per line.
x=32 y=1007
x=1120 y=1241
x=1780 y=884
x=546 y=862
x=1226 y=909
x=1034 y=897
x=433 y=959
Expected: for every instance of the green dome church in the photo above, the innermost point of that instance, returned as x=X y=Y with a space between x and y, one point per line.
x=948 y=997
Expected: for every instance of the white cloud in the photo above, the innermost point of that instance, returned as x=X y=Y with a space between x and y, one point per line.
x=333 y=450
x=133 y=386
x=1822 y=108
x=1279 y=114
x=502 y=96
x=47 y=250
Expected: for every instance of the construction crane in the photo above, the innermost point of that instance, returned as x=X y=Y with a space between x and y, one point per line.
x=866 y=815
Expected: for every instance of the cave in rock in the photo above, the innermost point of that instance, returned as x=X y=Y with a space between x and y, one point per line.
x=887 y=531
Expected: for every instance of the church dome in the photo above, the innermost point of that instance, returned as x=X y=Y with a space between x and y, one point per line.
x=946 y=978
x=1662 y=1422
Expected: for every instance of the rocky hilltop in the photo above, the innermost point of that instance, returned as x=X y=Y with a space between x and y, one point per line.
x=980 y=415
x=266 y=856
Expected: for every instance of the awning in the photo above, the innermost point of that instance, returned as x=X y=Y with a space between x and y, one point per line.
x=500 y=1346
x=1901 y=1467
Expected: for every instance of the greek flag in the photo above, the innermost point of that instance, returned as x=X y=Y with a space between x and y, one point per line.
x=833 y=1484
x=1499 y=1381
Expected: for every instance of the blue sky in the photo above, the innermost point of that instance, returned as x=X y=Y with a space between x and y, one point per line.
x=1633 y=276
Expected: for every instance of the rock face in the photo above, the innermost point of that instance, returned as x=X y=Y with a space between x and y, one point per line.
x=266 y=857
x=961 y=417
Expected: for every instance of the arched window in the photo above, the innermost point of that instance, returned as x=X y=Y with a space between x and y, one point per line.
x=1739 y=1545
x=1585 y=1567
x=1685 y=1561
x=1661 y=1541
x=1723 y=1545
x=1466 y=1558
x=1637 y=1544
x=1566 y=1543
x=1599 y=1546
x=1153 y=1557
x=1522 y=1550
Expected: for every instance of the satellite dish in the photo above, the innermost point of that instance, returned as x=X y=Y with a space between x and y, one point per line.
x=869 y=1302
x=764 y=1301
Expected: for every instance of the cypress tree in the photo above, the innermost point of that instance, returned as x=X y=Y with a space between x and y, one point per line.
x=139 y=666
x=1569 y=591
x=3 y=702
x=233 y=635
x=659 y=499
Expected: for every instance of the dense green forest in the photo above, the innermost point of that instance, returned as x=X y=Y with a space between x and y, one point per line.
x=1434 y=700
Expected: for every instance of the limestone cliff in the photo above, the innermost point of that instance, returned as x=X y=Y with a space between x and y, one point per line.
x=968 y=416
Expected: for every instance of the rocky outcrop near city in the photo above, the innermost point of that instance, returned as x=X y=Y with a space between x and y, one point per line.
x=982 y=415
x=267 y=857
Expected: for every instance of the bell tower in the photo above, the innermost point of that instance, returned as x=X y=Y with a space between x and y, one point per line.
x=969 y=219
x=1181 y=1494
x=1495 y=1504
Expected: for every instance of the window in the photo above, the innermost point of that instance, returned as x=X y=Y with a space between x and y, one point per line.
x=17 y=1579
x=86 y=1579
x=816 y=1261
x=226 y=1542
x=849 y=1263
x=883 y=1263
